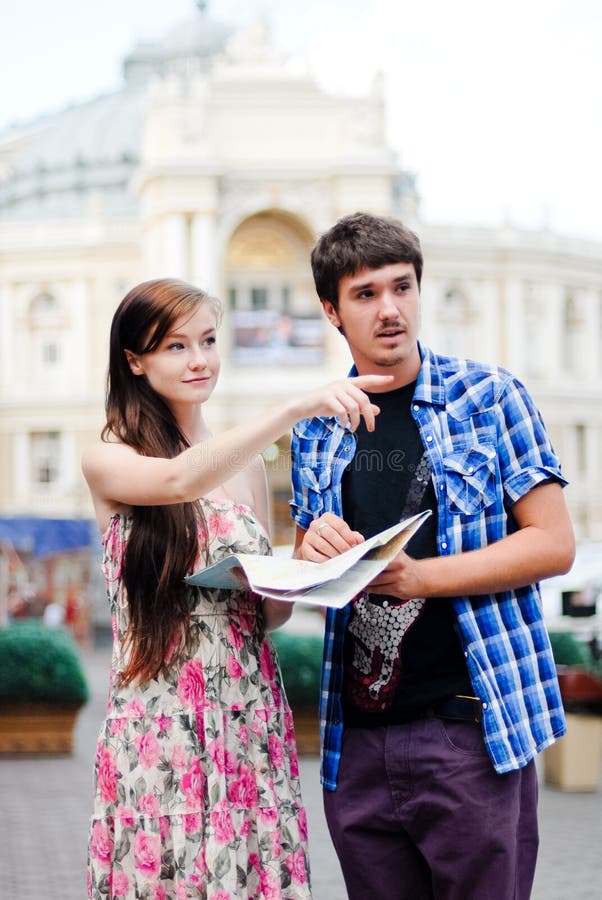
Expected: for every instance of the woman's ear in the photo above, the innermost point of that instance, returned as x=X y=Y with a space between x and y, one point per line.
x=134 y=362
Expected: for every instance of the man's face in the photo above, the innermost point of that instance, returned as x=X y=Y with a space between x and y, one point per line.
x=379 y=314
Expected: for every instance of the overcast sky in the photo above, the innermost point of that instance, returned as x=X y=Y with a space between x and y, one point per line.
x=496 y=106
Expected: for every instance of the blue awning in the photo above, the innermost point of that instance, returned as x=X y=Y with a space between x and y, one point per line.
x=43 y=537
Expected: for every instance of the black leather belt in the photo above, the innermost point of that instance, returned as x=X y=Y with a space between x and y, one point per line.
x=459 y=708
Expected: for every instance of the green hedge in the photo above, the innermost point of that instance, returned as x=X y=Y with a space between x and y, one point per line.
x=568 y=650
x=300 y=658
x=40 y=665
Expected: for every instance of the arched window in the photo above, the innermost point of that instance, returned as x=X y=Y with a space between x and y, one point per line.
x=46 y=324
x=275 y=315
x=45 y=456
x=43 y=304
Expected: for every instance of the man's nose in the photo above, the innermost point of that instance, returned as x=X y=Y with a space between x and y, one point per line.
x=387 y=308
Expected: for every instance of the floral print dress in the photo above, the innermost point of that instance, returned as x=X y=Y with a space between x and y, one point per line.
x=197 y=780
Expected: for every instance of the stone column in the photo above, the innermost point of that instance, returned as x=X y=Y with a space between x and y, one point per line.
x=22 y=468
x=203 y=266
x=487 y=349
x=7 y=328
x=152 y=249
x=175 y=246
x=512 y=348
x=590 y=336
x=552 y=330
x=77 y=370
x=429 y=329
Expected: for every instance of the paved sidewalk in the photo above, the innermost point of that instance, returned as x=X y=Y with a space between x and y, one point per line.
x=45 y=804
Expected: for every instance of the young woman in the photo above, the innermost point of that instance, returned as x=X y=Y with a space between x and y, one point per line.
x=197 y=788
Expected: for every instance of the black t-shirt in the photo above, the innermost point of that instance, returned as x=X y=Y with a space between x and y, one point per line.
x=399 y=657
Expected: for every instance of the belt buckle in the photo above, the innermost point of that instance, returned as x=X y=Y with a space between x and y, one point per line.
x=476 y=707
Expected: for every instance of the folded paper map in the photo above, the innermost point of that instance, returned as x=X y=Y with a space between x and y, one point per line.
x=332 y=583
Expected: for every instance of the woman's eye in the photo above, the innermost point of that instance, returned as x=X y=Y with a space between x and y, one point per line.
x=176 y=345
x=210 y=341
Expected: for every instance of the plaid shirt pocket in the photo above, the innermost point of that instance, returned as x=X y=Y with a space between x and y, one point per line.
x=470 y=477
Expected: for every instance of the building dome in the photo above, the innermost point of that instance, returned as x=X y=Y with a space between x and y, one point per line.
x=49 y=168
x=52 y=165
x=197 y=41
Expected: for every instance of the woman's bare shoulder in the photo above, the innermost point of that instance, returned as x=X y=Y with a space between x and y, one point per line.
x=98 y=462
x=101 y=452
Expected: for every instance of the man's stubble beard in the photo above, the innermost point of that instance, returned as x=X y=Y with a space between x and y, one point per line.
x=390 y=363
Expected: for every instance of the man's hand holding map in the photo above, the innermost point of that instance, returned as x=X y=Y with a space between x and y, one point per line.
x=332 y=583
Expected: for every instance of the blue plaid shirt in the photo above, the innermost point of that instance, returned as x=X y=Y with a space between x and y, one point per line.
x=487 y=447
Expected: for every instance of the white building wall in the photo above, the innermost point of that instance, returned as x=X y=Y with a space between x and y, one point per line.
x=7 y=332
x=591 y=334
x=203 y=267
x=488 y=339
x=513 y=331
x=239 y=140
x=551 y=324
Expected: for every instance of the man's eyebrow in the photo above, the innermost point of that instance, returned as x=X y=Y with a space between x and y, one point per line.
x=362 y=287
x=368 y=285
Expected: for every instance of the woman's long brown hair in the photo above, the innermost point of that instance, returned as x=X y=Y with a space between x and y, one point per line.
x=163 y=542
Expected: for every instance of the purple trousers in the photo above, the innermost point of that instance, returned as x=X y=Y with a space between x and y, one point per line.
x=420 y=814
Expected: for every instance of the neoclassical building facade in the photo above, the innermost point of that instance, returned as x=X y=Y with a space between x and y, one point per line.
x=219 y=162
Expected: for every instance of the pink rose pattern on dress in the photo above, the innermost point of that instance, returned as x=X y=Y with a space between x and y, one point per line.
x=191 y=683
x=149 y=805
x=101 y=845
x=126 y=815
x=266 y=661
x=120 y=884
x=197 y=790
x=107 y=776
x=193 y=783
x=234 y=668
x=149 y=750
x=147 y=853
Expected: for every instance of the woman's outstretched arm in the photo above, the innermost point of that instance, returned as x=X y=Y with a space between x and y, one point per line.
x=118 y=474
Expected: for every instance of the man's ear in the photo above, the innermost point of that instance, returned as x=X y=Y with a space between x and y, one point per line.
x=134 y=362
x=331 y=313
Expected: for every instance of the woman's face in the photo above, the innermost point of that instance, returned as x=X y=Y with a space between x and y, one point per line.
x=184 y=368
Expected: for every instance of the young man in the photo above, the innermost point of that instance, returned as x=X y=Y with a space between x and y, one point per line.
x=438 y=686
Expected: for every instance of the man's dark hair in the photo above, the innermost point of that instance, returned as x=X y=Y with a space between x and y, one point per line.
x=361 y=241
